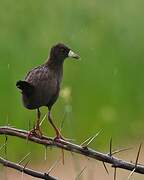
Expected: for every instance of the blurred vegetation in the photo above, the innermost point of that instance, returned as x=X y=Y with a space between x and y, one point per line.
x=107 y=86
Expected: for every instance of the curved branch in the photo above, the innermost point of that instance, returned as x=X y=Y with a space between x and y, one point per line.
x=107 y=158
x=26 y=170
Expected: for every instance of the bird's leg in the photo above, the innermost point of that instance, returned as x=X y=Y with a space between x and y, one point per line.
x=37 y=127
x=58 y=133
x=36 y=130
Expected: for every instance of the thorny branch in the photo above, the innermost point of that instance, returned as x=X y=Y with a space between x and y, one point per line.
x=84 y=150
x=26 y=170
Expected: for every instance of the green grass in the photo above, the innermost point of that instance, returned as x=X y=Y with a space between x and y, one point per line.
x=107 y=85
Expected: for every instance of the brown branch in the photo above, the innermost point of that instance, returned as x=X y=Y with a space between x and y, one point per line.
x=107 y=158
x=26 y=170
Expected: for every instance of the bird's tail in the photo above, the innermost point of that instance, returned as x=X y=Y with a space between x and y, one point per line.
x=25 y=87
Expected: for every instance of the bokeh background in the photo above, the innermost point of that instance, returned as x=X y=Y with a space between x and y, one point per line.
x=104 y=90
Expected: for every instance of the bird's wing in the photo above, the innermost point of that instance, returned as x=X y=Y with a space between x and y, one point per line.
x=44 y=82
x=32 y=71
x=38 y=76
x=42 y=79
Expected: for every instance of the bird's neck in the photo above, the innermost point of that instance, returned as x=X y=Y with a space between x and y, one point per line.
x=56 y=68
x=54 y=63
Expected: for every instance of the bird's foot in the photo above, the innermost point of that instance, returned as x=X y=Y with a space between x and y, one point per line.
x=59 y=136
x=35 y=132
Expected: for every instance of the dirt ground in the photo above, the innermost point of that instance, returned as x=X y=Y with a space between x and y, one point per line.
x=73 y=165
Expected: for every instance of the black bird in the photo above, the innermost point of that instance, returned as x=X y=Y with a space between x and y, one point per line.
x=42 y=84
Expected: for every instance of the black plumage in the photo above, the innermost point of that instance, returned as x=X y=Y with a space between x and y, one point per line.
x=41 y=85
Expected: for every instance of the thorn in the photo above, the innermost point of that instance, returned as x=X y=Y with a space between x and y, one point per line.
x=5 y=151
x=93 y=138
x=137 y=158
x=85 y=141
x=90 y=139
x=54 y=165
x=6 y=139
x=7 y=120
x=72 y=153
x=26 y=164
x=120 y=150
x=80 y=173
x=27 y=139
x=43 y=119
x=22 y=175
x=29 y=128
x=131 y=173
x=105 y=167
x=110 y=151
x=63 y=120
x=29 y=125
x=62 y=156
x=25 y=167
x=115 y=173
x=2 y=146
x=25 y=157
x=45 y=157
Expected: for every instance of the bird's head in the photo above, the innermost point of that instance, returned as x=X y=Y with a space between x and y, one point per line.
x=59 y=52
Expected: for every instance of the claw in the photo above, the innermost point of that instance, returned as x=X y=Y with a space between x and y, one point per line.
x=35 y=132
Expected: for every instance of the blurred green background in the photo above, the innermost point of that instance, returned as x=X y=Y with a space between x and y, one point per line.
x=106 y=86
